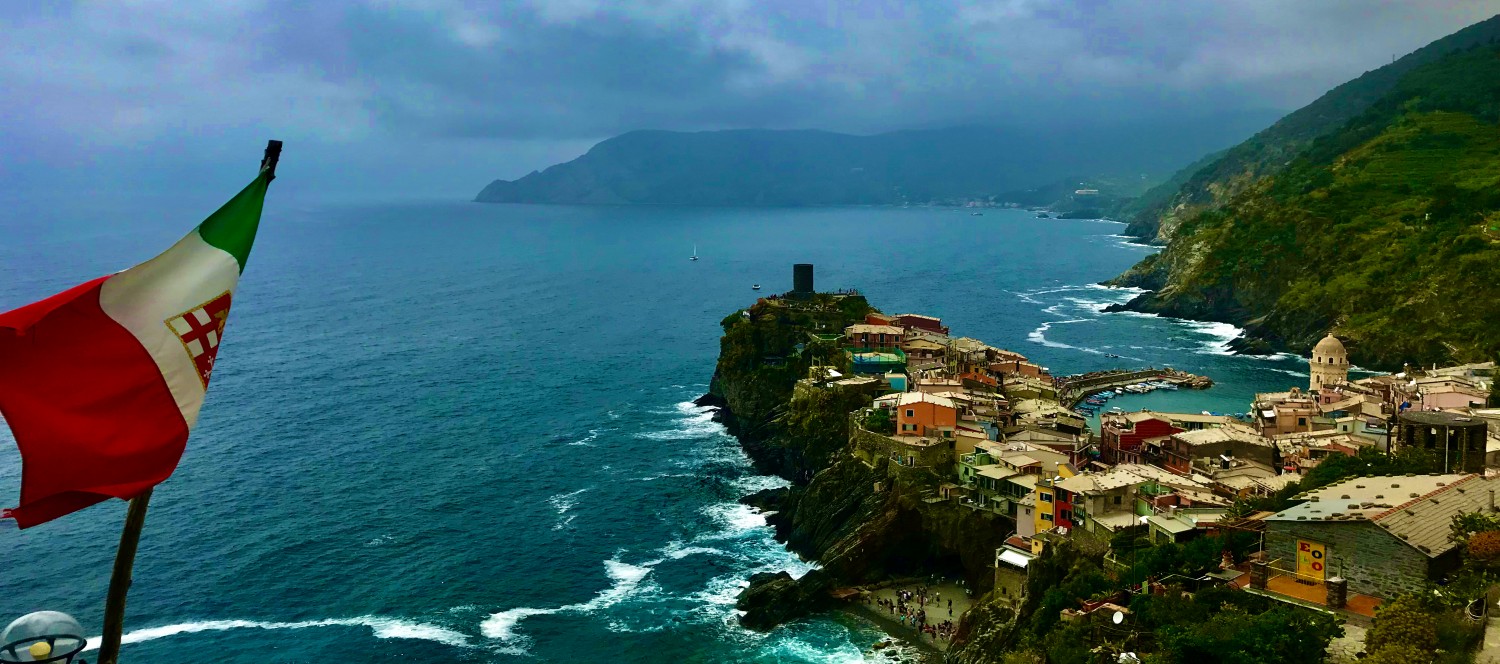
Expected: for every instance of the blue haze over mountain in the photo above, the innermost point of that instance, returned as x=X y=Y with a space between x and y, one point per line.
x=762 y=167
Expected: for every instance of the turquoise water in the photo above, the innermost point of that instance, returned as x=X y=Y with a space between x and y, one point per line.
x=457 y=432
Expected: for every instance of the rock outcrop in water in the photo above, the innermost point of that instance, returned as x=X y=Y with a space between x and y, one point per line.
x=776 y=598
x=863 y=523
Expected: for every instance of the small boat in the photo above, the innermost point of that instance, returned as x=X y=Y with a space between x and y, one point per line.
x=755 y=287
x=976 y=214
x=1110 y=355
x=695 y=253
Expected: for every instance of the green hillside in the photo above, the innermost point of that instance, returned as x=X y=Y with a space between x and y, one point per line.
x=1214 y=184
x=1386 y=229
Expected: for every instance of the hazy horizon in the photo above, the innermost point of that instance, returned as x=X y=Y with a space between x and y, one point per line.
x=435 y=99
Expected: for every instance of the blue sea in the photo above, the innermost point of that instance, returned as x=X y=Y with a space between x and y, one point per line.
x=446 y=431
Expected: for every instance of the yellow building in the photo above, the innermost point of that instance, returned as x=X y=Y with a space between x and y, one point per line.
x=1045 y=497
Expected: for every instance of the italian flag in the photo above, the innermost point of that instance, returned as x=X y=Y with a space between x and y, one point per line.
x=102 y=383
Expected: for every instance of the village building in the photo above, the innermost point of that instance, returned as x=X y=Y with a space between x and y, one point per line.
x=1276 y=413
x=1237 y=478
x=925 y=354
x=1384 y=536
x=1123 y=435
x=1329 y=365
x=1301 y=452
x=1458 y=441
x=873 y=336
x=921 y=414
x=1101 y=503
x=920 y=322
x=1011 y=561
x=1047 y=414
x=1180 y=450
x=1174 y=526
x=1070 y=444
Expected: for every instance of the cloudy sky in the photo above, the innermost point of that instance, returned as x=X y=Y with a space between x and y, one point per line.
x=438 y=97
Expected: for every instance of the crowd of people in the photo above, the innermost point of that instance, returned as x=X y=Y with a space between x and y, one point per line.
x=911 y=609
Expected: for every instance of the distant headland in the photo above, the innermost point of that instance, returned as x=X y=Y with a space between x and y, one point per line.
x=788 y=168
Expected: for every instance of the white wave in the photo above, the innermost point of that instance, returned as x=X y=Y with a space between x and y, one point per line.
x=564 y=522
x=383 y=628
x=1025 y=297
x=736 y=519
x=659 y=476
x=627 y=580
x=753 y=483
x=563 y=502
x=502 y=625
x=1039 y=335
x=694 y=422
x=677 y=550
x=1220 y=335
x=588 y=441
x=381 y=540
x=788 y=648
x=1092 y=306
x=1132 y=241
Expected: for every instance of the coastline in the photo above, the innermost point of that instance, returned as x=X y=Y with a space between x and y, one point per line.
x=919 y=649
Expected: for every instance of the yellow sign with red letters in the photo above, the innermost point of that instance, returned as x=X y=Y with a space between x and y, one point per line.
x=1312 y=560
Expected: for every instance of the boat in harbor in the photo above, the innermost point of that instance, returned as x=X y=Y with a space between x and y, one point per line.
x=755 y=287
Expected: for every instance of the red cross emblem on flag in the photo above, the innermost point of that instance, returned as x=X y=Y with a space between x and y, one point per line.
x=200 y=330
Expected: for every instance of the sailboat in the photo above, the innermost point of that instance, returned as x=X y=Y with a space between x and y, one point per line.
x=695 y=253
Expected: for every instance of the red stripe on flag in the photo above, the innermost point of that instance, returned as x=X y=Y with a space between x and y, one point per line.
x=89 y=408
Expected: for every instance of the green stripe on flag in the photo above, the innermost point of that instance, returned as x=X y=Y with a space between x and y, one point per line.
x=232 y=227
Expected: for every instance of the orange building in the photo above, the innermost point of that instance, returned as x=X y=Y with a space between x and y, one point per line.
x=922 y=414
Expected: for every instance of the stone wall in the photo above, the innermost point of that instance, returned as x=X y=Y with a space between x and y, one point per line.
x=871 y=447
x=1371 y=559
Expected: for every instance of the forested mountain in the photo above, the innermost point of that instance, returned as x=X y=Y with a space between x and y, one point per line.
x=1384 y=228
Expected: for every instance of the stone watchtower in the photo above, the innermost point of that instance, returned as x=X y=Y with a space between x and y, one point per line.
x=1330 y=363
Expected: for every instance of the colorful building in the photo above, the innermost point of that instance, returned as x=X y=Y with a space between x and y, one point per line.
x=873 y=336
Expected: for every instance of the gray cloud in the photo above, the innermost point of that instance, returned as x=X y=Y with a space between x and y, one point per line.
x=506 y=89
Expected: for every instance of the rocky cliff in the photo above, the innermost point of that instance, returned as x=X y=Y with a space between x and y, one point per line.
x=863 y=522
x=1373 y=212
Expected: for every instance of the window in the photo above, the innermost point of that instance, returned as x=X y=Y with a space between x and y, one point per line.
x=1046 y=497
x=911 y=412
x=1117 y=500
x=1301 y=421
x=1046 y=516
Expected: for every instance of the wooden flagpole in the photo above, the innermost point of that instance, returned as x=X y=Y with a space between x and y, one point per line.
x=119 y=580
x=135 y=519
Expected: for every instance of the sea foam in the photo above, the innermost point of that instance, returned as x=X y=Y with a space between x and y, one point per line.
x=383 y=628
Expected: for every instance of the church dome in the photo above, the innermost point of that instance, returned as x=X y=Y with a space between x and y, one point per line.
x=1330 y=346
